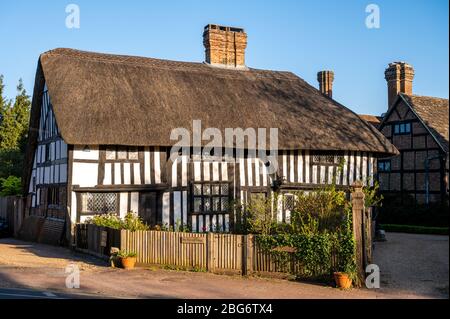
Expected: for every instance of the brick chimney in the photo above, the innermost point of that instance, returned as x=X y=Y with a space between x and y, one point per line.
x=399 y=77
x=225 y=46
x=325 y=79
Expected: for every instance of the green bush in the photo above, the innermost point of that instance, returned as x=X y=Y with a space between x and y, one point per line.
x=415 y=229
x=131 y=221
x=10 y=186
x=126 y=254
x=326 y=206
x=320 y=232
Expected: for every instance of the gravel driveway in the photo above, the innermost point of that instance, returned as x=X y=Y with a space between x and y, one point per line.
x=416 y=264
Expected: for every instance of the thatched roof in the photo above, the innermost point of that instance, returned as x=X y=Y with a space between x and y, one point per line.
x=372 y=119
x=113 y=99
x=434 y=113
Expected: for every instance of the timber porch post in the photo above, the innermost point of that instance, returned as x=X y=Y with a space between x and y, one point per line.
x=358 y=211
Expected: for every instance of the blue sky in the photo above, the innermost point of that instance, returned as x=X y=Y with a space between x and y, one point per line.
x=299 y=36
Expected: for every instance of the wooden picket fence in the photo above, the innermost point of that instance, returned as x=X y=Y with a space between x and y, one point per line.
x=220 y=253
x=212 y=252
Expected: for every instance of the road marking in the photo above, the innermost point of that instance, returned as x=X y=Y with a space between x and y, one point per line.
x=49 y=294
x=21 y=295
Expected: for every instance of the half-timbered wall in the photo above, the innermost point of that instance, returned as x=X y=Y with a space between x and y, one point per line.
x=48 y=180
x=405 y=174
x=132 y=172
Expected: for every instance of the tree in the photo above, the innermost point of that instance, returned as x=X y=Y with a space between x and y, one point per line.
x=15 y=119
x=10 y=186
x=4 y=104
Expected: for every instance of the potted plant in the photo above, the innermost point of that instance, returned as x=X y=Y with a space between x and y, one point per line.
x=344 y=279
x=127 y=259
x=346 y=271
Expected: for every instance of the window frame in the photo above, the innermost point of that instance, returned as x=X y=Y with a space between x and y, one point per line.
x=128 y=150
x=211 y=197
x=400 y=128
x=53 y=197
x=382 y=168
x=84 y=212
x=322 y=158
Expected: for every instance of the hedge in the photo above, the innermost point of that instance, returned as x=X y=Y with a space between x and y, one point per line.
x=415 y=229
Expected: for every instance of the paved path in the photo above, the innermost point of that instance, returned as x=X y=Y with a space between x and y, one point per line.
x=41 y=268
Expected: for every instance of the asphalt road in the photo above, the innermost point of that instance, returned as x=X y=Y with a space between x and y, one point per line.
x=19 y=293
x=14 y=293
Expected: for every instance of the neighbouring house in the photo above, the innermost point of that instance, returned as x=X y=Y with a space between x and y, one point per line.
x=99 y=139
x=418 y=127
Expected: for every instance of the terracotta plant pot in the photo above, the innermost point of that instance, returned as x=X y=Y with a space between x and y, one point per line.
x=342 y=280
x=128 y=262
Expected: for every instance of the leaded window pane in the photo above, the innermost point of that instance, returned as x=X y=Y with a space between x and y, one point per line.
x=110 y=154
x=224 y=203
x=197 y=205
x=133 y=153
x=216 y=204
x=122 y=153
x=215 y=189
x=206 y=204
x=206 y=189
x=289 y=202
x=330 y=159
x=338 y=159
x=99 y=203
x=224 y=189
x=197 y=189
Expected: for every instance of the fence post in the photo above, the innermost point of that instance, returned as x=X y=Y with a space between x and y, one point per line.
x=249 y=259
x=210 y=252
x=123 y=239
x=358 y=212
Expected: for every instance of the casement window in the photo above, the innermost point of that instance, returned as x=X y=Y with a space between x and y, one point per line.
x=47 y=152
x=99 y=203
x=122 y=153
x=287 y=206
x=402 y=128
x=53 y=196
x=384 y=165
x=289 y=202
x=328 y=159
x=211 y=198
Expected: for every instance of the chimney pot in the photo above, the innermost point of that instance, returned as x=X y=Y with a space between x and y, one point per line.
x=399 y=77
x=326 y=79
x=225 y=46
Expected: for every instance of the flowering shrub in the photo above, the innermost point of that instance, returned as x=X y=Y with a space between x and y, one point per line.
x=130 y=222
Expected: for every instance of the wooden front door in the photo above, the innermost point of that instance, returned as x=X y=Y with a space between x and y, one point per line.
x=149 y=203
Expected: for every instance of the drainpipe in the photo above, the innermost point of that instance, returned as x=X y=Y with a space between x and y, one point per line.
x=427 y=176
